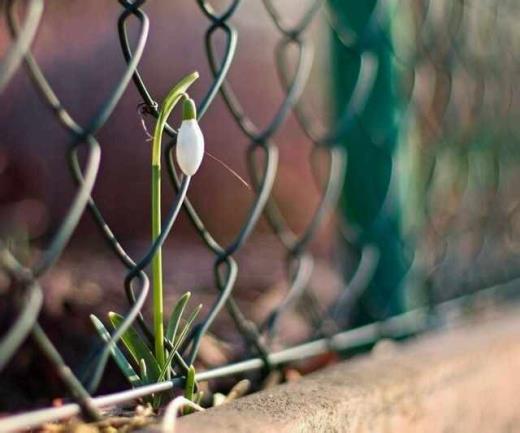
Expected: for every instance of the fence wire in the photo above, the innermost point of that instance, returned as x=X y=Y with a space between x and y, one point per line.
x=457 y=65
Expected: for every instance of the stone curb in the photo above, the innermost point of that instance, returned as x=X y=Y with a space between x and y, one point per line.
x=466 y=379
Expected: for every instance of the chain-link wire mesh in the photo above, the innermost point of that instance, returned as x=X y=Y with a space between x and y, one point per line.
x=455 y=65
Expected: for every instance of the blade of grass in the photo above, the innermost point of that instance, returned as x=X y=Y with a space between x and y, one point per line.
x=137 y=347
x=179 y=341
x=154 y=399
x=175 y=318
x=188 y=324
x=144 y=372
x=190 y=387
x=119 y=357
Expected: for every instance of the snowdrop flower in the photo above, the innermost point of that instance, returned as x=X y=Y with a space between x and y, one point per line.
x=190 y=141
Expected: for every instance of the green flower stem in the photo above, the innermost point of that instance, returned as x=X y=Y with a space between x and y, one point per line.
x=157 y=281
x=169 y=103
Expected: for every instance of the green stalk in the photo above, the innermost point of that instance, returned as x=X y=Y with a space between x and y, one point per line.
x=157 y=281
x=167 y=107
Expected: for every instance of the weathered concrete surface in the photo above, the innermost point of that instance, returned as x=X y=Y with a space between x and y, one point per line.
x=464 y=380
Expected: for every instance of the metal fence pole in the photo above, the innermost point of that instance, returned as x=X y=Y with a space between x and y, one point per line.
x=369 y=200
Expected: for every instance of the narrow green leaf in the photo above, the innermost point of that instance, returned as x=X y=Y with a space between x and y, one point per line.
x=119 y=357
x=173 y=323
x=188 y=324
x=189 y=388
x=179 y=340
x=145 y=380
x=136 y=347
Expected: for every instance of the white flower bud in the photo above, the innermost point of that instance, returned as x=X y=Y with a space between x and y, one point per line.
x=190 y=142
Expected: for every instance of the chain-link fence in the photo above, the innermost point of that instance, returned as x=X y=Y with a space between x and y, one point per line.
x=438 y=148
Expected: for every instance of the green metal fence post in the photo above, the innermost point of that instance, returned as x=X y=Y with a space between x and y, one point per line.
x=369 y=201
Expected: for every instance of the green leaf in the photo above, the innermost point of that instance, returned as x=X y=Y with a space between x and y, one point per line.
x=119 y=357
x=178 y=341
x=175 y=318
x=145 y=380
x=136 y=347
x=187 y=326
x=189 y=388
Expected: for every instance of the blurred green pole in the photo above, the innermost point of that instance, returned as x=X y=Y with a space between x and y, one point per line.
x=369 y=202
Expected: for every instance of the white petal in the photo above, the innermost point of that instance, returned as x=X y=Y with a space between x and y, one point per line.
x=190 y=147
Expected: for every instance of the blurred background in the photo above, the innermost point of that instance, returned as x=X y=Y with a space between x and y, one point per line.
x=420 y=98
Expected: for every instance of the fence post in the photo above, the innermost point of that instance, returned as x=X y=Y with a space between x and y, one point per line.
x=369 y=201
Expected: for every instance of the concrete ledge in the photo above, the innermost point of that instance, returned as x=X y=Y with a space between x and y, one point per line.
x=463 y=380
